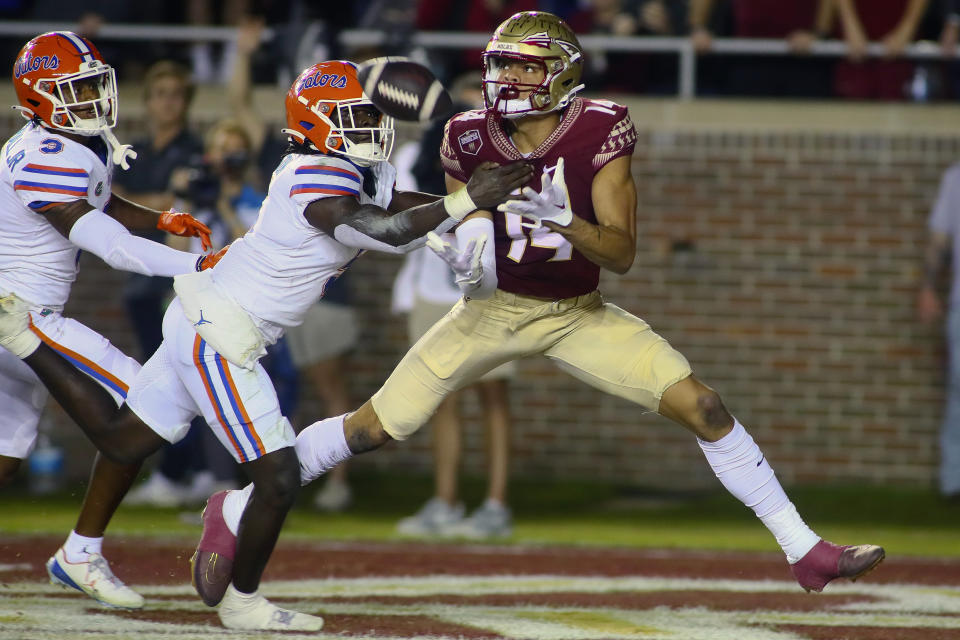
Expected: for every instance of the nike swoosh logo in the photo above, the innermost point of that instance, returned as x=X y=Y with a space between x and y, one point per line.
x=761 y=461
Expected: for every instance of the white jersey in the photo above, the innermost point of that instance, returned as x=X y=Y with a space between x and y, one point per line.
x=279 y=269
x=40 y=170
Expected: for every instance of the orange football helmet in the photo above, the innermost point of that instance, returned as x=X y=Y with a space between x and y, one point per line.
x=62 y=79
x=322 y=112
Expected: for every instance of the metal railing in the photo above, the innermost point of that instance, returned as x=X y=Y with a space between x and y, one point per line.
x=680 y=46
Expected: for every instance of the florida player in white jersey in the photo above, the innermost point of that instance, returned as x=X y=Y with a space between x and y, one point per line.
x=533 y=290
x=331 y=198
x=54 y=201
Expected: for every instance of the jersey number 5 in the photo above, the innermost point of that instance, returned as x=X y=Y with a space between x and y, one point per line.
x=521 y=237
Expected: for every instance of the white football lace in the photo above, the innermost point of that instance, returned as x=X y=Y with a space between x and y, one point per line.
x=397 y=94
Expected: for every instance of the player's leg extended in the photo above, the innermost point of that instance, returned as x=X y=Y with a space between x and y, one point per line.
x=276 y=481
x=79 y=563
x=242 y=408
x=109 y=483
x=116 y=432
x=619 y=353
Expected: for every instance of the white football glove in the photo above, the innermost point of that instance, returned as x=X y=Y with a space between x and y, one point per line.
x=552 y=204
x=465 y=264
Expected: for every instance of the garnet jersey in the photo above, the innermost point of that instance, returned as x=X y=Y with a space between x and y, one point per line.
x=539 y=262
x=40 y=170
x=279 y=269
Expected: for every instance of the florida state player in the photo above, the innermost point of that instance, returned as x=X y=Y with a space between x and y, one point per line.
x=533 y=290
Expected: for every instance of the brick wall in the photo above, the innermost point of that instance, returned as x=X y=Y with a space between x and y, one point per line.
x=781 y=259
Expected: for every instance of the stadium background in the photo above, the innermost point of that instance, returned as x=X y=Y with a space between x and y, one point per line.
x=780 y=246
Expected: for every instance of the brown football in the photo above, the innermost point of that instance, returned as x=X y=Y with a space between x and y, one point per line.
x=404 y=89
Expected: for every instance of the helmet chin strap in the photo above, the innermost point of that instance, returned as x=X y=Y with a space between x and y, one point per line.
x=121 y=153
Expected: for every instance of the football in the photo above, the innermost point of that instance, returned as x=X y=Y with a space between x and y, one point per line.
x=404 y=89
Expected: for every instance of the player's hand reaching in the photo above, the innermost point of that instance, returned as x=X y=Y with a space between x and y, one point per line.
x=552 y=204
x=465 y=264
x=210 y=260
x=184 y=224
x=491 y=183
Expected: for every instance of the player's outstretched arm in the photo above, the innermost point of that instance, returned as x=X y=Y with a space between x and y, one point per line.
x=94 y=231
x=371 y=227
x=139 y=218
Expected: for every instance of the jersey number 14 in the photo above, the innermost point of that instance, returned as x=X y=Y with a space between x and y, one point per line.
x=522 y=236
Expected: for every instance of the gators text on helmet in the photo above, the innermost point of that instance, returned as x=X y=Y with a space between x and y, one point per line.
x=62 y=79
x=324 y=111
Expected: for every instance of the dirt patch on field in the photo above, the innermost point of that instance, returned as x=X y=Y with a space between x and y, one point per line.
x=146 y=561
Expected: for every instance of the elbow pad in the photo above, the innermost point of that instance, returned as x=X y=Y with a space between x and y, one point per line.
x=470 y=230
x=110 y=241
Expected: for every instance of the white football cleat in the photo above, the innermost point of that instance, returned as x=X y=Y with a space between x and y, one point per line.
x=253 y=612
x=15 y=332
x=94 y=578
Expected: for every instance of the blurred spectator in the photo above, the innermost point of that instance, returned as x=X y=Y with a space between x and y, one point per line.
x=799 y=22
x=168 y=145
x=949 y=34
x=266 y=148
x=424 y=289
x=632 y=72
x=942 y=249
x=91 y=15
x=470 y=15
x=220 y=189
x=211 y=62
x=951 y=27
x=892 y=22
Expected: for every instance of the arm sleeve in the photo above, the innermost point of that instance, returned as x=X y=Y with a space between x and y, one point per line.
x=353 y=237
x=470 y=230
x=109 y=240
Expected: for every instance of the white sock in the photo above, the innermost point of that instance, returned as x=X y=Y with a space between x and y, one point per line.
x=236 y=599
x=321 y=447
x=78 y=547
x=792 y=533
x=233 y=506
x=742 y=468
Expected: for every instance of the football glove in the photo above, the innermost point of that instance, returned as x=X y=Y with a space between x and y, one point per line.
x=209 y=260
x=184 y=224
x=465 y=264
x=552 y=204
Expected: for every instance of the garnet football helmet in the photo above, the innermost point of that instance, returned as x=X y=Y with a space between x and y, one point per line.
x=327 y=110
x=541 y=38
x=62 y=79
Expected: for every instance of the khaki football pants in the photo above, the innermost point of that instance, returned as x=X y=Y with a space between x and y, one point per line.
x=594 y=341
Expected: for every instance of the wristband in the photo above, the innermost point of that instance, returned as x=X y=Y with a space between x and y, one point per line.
x=458 y=204
x=199 y=265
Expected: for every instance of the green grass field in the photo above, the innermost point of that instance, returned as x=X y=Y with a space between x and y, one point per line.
x=905 y=521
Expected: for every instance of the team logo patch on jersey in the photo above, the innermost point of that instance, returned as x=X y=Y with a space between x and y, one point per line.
x=470 y=142
x=99 y=189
